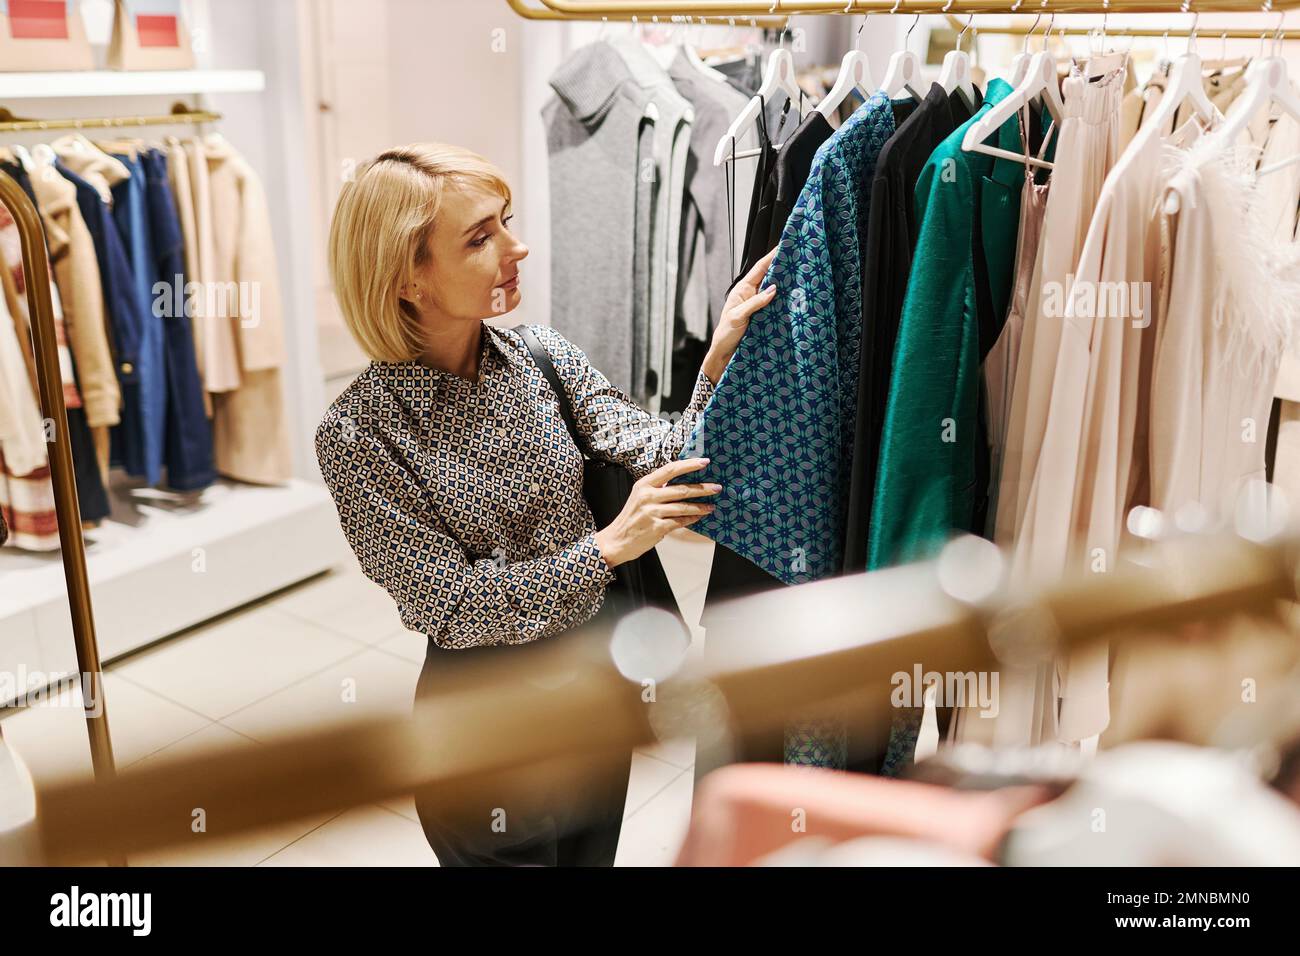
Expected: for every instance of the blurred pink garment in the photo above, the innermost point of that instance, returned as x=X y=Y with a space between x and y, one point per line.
x=746 y=811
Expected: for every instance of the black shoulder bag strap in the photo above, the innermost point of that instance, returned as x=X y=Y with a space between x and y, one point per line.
x=606 y=487
x=542 y=359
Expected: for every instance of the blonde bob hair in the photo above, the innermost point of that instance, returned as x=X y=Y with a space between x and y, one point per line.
x=379 y=236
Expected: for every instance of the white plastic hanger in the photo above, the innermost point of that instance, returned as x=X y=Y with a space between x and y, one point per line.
x=855 y=74
x=1020 y=62
x=904 y=67
x=1040 y=78
x=693 y=57
x=43 y=154
x=1267 y=83
x=1185 y=85
x=955 y=74
x=779 y=77
x=1100 y=63
x=24 y=158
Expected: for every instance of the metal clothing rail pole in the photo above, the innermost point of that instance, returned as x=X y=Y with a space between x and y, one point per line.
x=581 y=9
x=546 y=13
x=1119 y=31
x=49 y=382
x=180 y=114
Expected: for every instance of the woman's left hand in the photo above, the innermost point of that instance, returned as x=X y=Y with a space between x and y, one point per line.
x=744 y=300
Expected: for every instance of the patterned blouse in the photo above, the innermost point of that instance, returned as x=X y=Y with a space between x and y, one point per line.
x=463 y=498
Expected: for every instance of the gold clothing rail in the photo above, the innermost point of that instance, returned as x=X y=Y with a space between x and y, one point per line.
x=180 y=114
x=648 y=9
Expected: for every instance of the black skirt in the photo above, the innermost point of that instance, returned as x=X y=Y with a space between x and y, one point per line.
x=520 y=821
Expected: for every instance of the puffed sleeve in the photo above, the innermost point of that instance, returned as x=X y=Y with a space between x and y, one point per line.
x=403 y=546
x=616 y=428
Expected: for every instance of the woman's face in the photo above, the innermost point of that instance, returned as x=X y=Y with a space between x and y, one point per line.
x=473 y=268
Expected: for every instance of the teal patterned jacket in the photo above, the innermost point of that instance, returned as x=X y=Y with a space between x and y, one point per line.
x=779 y=428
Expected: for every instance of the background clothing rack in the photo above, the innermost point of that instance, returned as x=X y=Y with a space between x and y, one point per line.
x=36 y=267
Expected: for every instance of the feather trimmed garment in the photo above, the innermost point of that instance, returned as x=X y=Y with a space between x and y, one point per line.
x=1233 y=306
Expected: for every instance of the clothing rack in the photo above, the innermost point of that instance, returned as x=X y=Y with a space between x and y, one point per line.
x=881 y=623
x=115 y=813
x=36 y=268
x=181 y=113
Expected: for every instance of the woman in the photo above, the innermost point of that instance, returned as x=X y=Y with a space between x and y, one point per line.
x=457 y=483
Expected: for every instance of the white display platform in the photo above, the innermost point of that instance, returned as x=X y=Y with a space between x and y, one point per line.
x=163 y=562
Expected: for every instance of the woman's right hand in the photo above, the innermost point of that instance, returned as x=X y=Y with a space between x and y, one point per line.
x=653 y=509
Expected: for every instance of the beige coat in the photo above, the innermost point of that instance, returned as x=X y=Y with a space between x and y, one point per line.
x=214 y=335
x=76 y=273
x=1088 y=145
x=22 y=437
x=178 y=175
x=250 y=432
x=245 y=253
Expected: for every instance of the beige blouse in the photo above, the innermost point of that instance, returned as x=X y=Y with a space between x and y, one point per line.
x=1093 y=453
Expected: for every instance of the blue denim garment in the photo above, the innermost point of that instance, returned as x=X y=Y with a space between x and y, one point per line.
x=123 y=311
x=141 y=454
x=187 y=448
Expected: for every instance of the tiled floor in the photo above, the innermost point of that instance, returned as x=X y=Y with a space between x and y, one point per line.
x=330 y=649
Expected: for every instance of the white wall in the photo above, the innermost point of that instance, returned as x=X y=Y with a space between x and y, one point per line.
x=271 y=131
